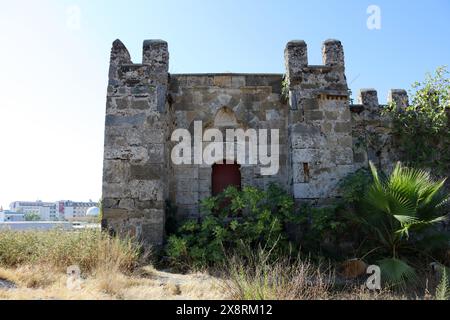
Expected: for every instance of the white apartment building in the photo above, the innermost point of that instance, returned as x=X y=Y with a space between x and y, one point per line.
x=71 y=209
x=53 y=211
x=45 y=210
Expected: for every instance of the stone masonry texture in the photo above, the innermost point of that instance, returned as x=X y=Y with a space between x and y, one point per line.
x=322 y=137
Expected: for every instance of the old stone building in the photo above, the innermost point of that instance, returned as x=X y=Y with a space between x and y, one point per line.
x=322 y=138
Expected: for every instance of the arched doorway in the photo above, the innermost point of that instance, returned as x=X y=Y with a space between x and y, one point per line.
x=224 y=175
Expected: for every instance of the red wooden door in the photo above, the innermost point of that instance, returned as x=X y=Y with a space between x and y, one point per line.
x=224 y=175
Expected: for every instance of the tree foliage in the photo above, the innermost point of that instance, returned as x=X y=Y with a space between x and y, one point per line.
x=422 y=129
x=32 y=216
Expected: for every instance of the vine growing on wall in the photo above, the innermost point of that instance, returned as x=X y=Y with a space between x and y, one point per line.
x=422 y=129
x=285 y=89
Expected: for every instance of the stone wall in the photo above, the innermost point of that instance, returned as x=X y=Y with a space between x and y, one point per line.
x=373 y=139
x=136 y=155
x=242 y=101
x=320 y=132
x=322 y=137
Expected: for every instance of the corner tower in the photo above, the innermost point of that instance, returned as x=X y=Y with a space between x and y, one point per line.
x=319 y=127
x=136 y=162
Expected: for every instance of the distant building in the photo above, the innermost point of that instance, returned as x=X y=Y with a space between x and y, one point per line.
x=53 y=211
x=70 y=209
x=93 y=212
x=45 y=210
x=11 y=216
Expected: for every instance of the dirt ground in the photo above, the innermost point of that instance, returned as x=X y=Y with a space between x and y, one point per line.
x=147 y=283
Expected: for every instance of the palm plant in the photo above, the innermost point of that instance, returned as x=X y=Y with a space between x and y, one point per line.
x=401 y=209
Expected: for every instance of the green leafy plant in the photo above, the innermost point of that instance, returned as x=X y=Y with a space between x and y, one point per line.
x=321 y=227
x=250 y=217
x=332 y=230
x=395 y=271
x=353 y=186
x=285 y=90
x=401 y=212
x=427 y=121
x=32 y=216
x=443 y=288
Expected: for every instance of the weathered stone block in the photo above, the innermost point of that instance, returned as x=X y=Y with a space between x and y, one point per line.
x=222 y=81
x=360 y=157
x=119 y=120
x=147 y=171
x=204 y=185
x=147 y=190
x=305 y=155
x=342 y=127
x=187 y=185
x=116 y=190
x=310 y=104
x=331 y=115
x=156 y=54
x=237 y=81
x=109 y=213
x=115 y=171
x=305 y=191
x=187 y=198
x=156 y=153
x=344 y=156
x=313 y=115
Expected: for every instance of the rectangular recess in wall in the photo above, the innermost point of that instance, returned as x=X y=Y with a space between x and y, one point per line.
x=306 y=172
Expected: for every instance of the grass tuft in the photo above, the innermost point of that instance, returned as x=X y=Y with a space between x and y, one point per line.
x=89 y=249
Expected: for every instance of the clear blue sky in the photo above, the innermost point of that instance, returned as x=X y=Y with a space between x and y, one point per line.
x=53 y=73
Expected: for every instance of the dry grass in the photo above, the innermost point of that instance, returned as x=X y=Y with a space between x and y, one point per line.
x=33 y=283
x=280 y=280
x=36 y=263
x=57 y=250
x=257 y=277
x=300 y=281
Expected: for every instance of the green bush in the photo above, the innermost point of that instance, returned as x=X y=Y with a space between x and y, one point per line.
x=354 y=186
x=328 y=231
x=248 y=217
x=32 y=216
x=331 y=231
x=422 y=129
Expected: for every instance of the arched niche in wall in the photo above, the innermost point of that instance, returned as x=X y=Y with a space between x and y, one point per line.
x=225 y=117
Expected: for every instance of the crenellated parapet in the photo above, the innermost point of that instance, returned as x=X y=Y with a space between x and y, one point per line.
x=119 y=56
x=399 y=97
x=327 y=77
x=333 y=54
x=372 y=132
x=296 y=59
x=319 y=120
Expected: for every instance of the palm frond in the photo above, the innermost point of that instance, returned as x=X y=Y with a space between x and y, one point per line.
x=396 y=272
x=443 y=289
